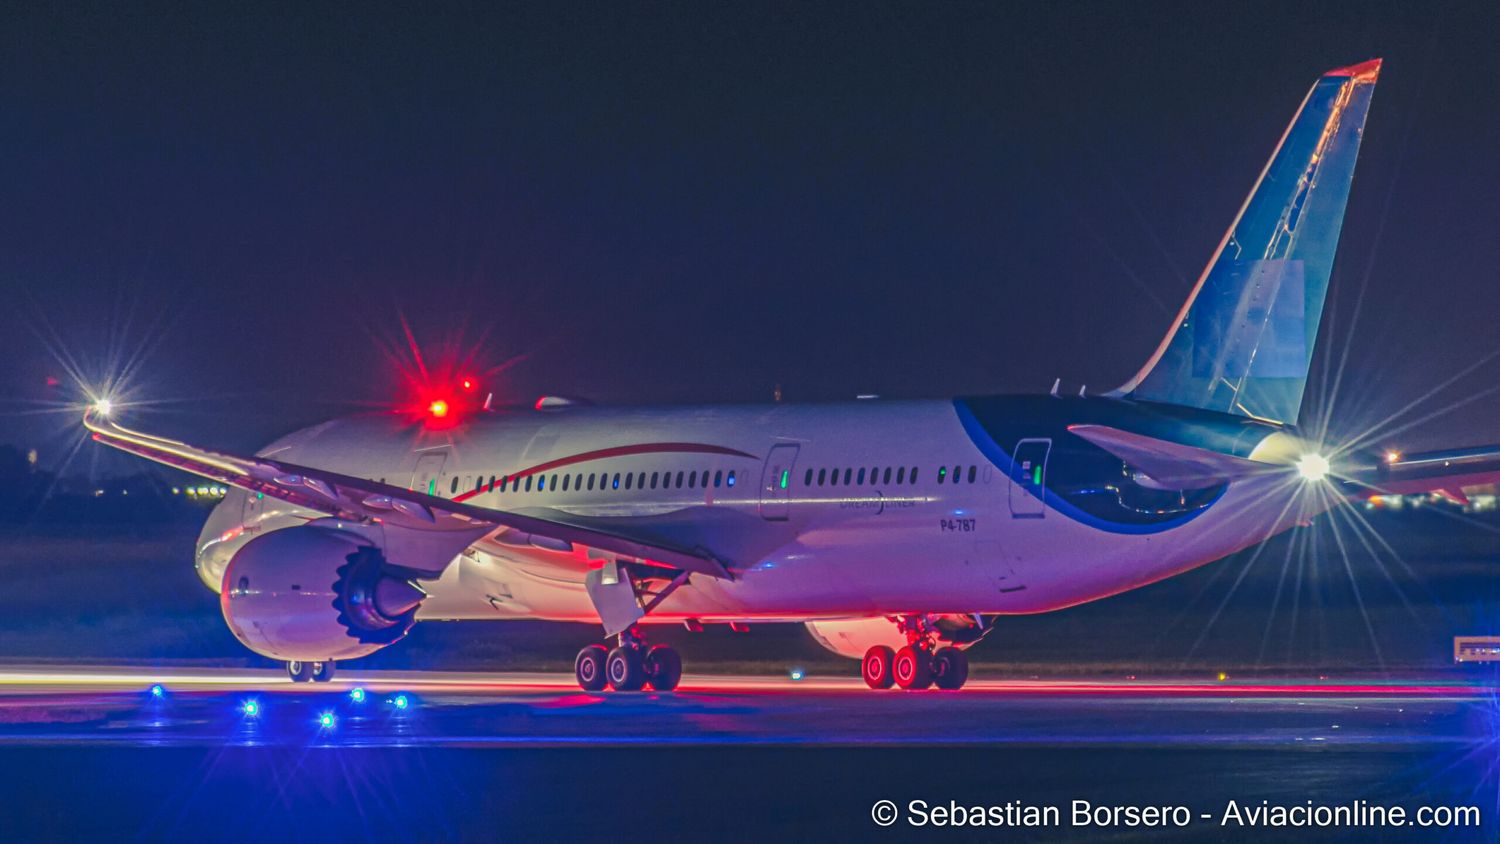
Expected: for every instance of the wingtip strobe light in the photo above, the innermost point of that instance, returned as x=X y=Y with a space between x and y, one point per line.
x=1313 y=467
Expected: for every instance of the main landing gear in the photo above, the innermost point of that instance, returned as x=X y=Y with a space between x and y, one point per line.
x=920 y=664
x=317 y=672
x=630 y=666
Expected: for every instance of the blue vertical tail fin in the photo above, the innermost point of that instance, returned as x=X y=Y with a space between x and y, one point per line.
x=1243 y=341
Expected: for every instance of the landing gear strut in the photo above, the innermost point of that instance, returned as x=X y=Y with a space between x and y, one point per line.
x=629 y=666
x=919 y=665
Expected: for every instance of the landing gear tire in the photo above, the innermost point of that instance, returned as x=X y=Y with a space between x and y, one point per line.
x=950 y=668
x=625 y=669
x=876 y=667
x=322 y=672
x=299 y=671
x=589 y=668
x=663 y=668
x=912 y=668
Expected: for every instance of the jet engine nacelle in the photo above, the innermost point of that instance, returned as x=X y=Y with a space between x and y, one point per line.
x=852 y=637
x=316 y=594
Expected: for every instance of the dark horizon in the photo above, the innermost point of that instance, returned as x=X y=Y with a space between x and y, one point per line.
x=669 y=205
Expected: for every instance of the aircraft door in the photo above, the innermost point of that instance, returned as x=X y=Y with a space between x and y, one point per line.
x=1028 y=478
x=429 y=468
x=776 y=482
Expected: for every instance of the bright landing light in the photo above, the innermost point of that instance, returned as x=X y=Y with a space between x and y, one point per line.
x=103 y=407
x=1312 y=467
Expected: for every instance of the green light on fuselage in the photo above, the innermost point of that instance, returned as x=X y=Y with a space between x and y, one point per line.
x=432 y=487
x=784 y=474
x=1036 y=475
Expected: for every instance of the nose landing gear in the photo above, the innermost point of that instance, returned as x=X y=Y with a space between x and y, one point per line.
x=317 y=672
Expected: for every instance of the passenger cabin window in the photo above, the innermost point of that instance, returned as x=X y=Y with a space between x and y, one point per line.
x=453 y=487
x=719 y=477
x=730 y=479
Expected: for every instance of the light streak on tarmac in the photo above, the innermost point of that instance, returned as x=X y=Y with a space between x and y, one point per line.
x=87 y=706
x=21 y=680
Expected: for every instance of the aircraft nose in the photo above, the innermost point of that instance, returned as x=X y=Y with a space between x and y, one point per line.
x=218 y=540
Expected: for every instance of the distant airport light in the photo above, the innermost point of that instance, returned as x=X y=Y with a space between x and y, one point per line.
x=327 y=721
x=158 y=691
x=469 y=384
x=250 y=709
x=797 y=674
x=1393 y=456
x=438 y=409
x=1313 y=467
x=357 y=694
x=401 y=702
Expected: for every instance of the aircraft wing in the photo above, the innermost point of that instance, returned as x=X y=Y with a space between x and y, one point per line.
x=1444 y=472
x=361 y=500
x=1169 y=464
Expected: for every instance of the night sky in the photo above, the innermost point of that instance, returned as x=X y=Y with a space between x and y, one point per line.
x=667 y=204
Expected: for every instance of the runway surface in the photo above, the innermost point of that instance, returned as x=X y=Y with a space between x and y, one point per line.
x=248 y=755
x=379 y=709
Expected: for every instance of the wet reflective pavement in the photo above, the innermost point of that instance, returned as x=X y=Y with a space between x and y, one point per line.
x=249 y=756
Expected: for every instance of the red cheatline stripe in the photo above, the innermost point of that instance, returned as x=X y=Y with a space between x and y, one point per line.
x=617 y=451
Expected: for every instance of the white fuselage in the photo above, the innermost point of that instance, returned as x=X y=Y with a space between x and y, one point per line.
x=824 y=511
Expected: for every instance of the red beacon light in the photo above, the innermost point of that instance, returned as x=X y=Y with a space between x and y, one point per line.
x=449 y=405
